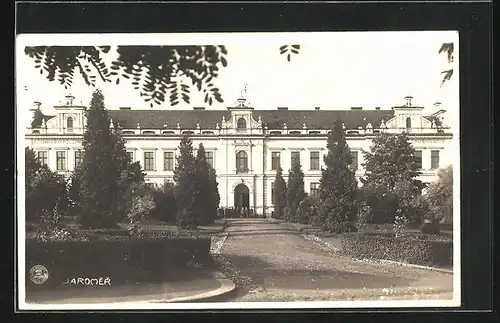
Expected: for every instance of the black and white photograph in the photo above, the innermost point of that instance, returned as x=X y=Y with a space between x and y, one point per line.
x=238 y=170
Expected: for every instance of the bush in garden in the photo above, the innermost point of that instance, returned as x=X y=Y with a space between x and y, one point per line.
x=46 y=195
x=430 y=228
x=165 y=203
x=400 y=225
x=308 y=209
x=439 y=196
x=141 y=209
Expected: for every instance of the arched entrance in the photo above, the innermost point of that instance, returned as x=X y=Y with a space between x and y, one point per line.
x=241 y=197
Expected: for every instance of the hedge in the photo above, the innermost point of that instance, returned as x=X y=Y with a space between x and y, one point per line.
x=419 y=249
x=123 y=259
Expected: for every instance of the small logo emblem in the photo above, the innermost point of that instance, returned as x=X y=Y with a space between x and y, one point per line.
x=39 y=274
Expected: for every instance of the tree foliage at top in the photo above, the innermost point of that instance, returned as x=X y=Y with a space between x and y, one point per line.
x=104 y=170
x=390 y=185
x=157 y=72
x=295 y=188
x=279 y=194
x=448 y=49
x=338 y=185
x=186 y=190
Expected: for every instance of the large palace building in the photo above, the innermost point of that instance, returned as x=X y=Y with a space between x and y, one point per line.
x=245 y=146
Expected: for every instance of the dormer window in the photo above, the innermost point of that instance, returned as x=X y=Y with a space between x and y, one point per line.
x=241 y=124
x=408 y=123
x=69 y=124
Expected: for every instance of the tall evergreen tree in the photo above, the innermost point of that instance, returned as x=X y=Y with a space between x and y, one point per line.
x=390 y=185
x=185 y=185
x=295 y=188
x=104 y=160
x=204 y=188
x=338 y=184
x=279 y=194
x=214 y=201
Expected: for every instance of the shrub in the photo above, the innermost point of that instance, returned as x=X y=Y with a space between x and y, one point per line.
x=165 y=203
x=308 y=209
x=429 y=228
x=439 y=196
x=140 y=211
x=143 y=258
x=416 y=249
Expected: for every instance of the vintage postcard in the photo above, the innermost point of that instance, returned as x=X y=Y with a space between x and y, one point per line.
x=238 y=170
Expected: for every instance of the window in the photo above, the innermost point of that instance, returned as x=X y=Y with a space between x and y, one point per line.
x=354 y=164
x=208 y=132
x=275 y=133
x=149 y=160
x=188 y=132
x=209 y=156
x=242 y=123
x=127 y=132
x=42 y=157
x=314 y=160
x=275 y=160
x=353 y=132
x=294 y=132
x=148 y=132
x=408 y=123
x=434 y=159
x=295 y=157
x=272 y=192
x=61 y=160
x=78 y=158
x=314 y=132
x=130 y=155
x=418 y=158
x=314 y=189
x=241 y=162
x=168 y=132
x=69 y=124
x=168 y=160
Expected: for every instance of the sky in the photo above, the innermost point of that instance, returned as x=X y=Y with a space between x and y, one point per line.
x=334 y=70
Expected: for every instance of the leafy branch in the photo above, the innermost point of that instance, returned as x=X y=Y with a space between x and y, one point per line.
x=289 y=50
x=447 y=48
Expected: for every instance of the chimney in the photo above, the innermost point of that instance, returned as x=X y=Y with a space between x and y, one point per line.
x=408 y=99
x=198 y=108
x=282 y=108
x=377 y=108
x=356 y=108
x=316 y=108
x=125 y=108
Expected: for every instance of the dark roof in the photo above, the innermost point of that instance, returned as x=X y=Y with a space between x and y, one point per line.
x=275 y=119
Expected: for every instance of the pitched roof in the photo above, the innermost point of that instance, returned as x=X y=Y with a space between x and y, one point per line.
x=275 y=119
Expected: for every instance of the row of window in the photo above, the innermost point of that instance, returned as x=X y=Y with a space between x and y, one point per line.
x=241 y=159
x=313 y=190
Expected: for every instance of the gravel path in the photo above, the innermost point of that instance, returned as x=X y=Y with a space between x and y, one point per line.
x=269 y=261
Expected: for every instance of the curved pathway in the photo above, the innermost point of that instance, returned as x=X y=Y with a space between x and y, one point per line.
x=277 y=263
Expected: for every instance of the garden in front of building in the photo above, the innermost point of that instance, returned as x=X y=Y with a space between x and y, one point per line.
x=103 y=220
x=391 y=216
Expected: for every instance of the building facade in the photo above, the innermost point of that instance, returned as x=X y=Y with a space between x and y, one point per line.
x=244 y=145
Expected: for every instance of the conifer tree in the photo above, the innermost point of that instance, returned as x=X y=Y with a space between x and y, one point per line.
x=390 y=186
x=185 y=185
x=338 y=184
x=279 y=194
x=295 y=188
x=104 y=160
x=214 y=201
x=204 y=188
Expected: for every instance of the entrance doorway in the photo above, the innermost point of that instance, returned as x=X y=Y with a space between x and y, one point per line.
x=241 y=197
